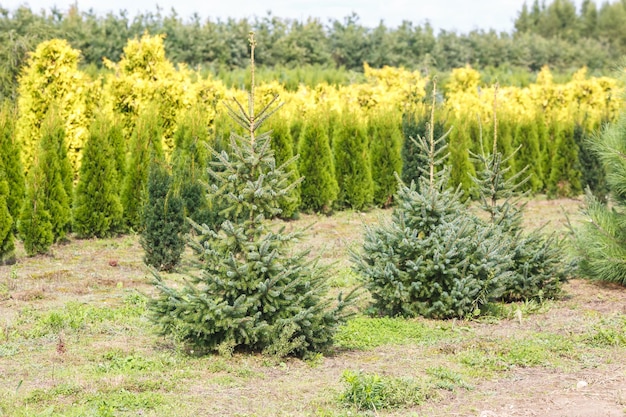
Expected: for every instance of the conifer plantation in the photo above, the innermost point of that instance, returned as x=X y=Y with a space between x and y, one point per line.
x=282 y=144
x=386 y=158
x=97 y=206
x=254 y=291
x=7 y=245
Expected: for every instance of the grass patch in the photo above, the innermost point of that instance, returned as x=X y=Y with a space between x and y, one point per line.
x=365 y=333
x=609 y=332
x=366 y=391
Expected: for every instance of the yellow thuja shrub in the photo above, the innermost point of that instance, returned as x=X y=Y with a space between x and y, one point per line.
x=144 y=77
x=51 y=78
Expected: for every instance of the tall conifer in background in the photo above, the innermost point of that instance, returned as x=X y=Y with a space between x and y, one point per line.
x=11 y=160
x=163 y=220
x=564 y=179
x=189 y=164
x=97 y=206
x=415 y=126
x=255 y=292
x=145 y=144
x=282 y=145
x=352 y=163
x=319 y=188
x=386 y=157
x=7 y=244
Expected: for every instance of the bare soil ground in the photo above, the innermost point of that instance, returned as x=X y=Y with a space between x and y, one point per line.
x=555 y=359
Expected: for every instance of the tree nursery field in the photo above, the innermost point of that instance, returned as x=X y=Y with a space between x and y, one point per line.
x=76 y=340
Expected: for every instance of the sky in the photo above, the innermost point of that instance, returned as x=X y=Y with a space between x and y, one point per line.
x=459 y=15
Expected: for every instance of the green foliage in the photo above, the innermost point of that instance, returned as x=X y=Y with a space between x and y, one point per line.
x=146 y=142
x=352 y=163
x=35 y=223
x=7 y=245
x=415 y=126
x=434 y=258
x=97 y=206
x=163 y=221
x=189 y=162
x=254 y=292
x=592 y=173
x=386 y=158
x=319 y=187
x=564 y=179
x=46 y=216
x=283 y=147
x=11 y=161
x=374 y=392
x=529 y=154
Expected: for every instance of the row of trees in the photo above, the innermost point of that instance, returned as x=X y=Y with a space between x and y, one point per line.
x=556 y=35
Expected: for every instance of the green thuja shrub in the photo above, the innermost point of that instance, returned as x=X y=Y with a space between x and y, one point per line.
x=57 y=174
x=599 y=238
x=145 y=141
x=97 y=206
x=434 y=258
x=386 y=155
x=163 y=221
x=7 y=244
x=35 y=225
x=189 y=162
x=526 y=138
x=255 y=292
x=10 y=158
x=319 y=188
x=564 y=179
x=282 y=145
x=352 y=163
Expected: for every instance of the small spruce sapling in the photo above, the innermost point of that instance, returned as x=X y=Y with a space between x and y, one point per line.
x=255 y=292
x=537 y=270
x=434 y=258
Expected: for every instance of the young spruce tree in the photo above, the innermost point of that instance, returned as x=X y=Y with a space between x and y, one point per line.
x=255 y=292
x=434 y=258
x=97 y=206
x=537 y=270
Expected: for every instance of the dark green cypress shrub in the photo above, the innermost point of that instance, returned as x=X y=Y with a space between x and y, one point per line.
x=461 y=168
x=145 y=141
x=7 y=244
x=386 y=156
x=319 y=188
x=163 y=221
x=564 y=179
x=352 y=163
x=119 y=149
x=254 y=292
x=11 y=159
x=592 y=173
x=97 y=206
